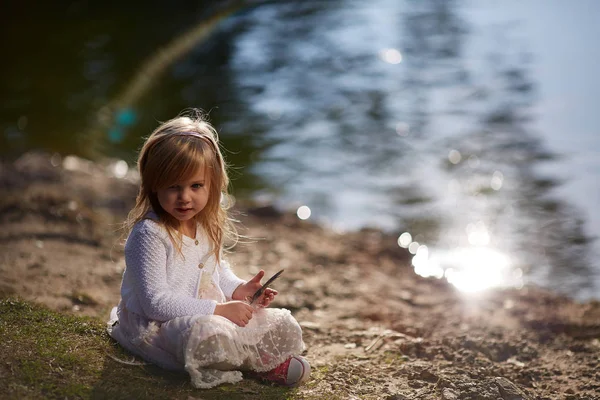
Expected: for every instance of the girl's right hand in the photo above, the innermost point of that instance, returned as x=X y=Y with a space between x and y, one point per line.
x=237 y=312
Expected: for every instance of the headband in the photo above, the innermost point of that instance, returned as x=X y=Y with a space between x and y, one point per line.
x=196 y=134
x=204 y=137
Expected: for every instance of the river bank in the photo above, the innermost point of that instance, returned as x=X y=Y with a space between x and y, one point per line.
x=373 y=328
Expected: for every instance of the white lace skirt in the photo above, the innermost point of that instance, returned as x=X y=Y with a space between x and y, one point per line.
x=212 y=349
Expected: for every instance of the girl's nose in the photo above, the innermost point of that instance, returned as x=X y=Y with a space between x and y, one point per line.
x=184 y=195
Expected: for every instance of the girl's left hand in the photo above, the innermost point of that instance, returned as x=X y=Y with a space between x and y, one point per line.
x=247 y=290
x=267 y=297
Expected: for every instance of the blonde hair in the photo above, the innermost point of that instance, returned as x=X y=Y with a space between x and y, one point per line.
x=175 y=152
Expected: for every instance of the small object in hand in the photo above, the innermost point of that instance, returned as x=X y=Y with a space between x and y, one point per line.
x=260 y=291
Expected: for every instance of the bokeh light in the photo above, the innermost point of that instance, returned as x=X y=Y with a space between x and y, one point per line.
x=119 y=169
x=402 y=129
x=454 y=156
x=404 y=240
x=303 y=212
x=391 y=56
x=473 y=161
x=478 y=234
x=497 y=180
x=22 y=122
x=413 y=247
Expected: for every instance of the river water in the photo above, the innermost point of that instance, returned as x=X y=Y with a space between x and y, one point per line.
x=468 y=129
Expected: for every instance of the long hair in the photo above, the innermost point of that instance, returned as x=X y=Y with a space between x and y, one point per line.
x=171 y=155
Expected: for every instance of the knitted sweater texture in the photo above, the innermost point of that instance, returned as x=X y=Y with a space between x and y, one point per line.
x=160 y=284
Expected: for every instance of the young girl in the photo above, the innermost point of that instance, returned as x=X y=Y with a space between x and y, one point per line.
x=181 y=306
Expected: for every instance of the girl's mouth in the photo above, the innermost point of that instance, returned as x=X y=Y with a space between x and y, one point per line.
x=183 y=210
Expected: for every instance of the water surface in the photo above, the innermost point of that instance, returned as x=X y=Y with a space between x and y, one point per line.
x=468 y=126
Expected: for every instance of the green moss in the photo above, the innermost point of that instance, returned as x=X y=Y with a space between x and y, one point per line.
x=317 y=374
x=46 y=354
x=393 y=357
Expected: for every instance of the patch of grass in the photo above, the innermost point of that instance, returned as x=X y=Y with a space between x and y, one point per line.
x=46 y=354
x=393 y=357
x=317 y=373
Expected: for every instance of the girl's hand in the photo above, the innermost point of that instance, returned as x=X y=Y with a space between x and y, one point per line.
x=237 y=312
x=245 y=291
x=267 y=297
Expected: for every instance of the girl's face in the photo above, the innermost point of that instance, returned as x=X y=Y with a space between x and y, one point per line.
x=184 y=200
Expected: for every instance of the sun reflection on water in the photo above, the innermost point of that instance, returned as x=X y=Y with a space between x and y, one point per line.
x=477 y=268
x=470 y=269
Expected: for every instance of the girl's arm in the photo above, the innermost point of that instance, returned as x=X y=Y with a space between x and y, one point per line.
x=228 y=280
x=146 y=260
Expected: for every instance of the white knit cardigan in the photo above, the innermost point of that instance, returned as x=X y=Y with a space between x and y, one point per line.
x=160 y=284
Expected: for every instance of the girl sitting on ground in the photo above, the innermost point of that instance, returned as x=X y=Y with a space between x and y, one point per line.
x=182 y=307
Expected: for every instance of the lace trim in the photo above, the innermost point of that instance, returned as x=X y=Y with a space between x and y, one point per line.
x=152 y=329
x=216 y=346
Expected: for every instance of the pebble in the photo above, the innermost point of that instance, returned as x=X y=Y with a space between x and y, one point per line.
x=449 y=394
x=310 y=325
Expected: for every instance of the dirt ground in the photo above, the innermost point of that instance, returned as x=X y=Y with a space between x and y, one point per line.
x=373 y=328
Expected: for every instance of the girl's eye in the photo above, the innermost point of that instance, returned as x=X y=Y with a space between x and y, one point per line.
x=198 y=185
x=173 y=187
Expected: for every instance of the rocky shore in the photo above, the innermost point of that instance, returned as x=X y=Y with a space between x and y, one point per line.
x=373 y=329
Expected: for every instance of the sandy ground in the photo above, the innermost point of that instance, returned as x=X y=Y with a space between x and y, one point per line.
x=373 y=328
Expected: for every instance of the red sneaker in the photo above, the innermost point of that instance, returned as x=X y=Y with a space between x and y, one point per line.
x=292 y=372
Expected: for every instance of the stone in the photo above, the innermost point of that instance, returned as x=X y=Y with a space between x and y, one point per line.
x=509 y=390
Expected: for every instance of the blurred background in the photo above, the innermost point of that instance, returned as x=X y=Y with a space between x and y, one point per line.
x=469 y=129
